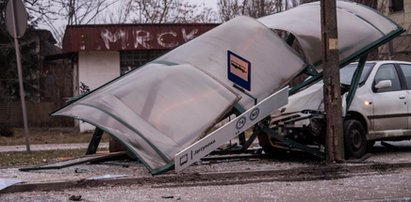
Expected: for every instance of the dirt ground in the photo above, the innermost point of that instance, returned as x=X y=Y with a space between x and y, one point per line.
x=19 y=159
x=48 y=136
x=43 y=136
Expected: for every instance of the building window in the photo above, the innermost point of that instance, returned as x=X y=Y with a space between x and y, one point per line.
x=396 y=5
x=130 y=60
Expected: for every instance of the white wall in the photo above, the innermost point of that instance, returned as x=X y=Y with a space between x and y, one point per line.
x=95 y=69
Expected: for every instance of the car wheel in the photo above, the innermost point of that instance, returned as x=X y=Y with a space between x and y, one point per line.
x=355 y=141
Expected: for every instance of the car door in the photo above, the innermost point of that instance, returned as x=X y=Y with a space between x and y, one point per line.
x=406 y=71
x=389 y=104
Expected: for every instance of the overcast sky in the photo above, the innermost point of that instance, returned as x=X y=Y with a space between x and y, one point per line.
x=209 y=3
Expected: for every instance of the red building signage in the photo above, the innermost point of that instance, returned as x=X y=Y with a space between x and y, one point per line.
x=130 y=36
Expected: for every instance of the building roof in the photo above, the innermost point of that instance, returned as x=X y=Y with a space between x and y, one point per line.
x=117 y=37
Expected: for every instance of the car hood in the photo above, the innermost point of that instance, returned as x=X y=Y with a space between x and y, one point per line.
x=307 y=99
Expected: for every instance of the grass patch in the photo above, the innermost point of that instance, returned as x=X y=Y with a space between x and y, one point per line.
x=15 y=159
x=48 y=136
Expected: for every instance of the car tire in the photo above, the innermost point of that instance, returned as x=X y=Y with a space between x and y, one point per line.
x=355 y=142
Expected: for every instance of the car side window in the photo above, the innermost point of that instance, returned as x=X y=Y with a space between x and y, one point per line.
x=406 y=69
x=387 y=72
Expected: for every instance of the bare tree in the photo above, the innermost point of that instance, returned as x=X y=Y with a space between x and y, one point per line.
x=56 y=14
x=229 y=9
x=169 y=11
x=207 y=15
x=121 y=13
x=82 y=11
x=259 y=8
x=39 y=10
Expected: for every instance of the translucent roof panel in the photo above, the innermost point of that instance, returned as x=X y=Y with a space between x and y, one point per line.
x=163 y=107
x=156 y=111
x=358 y=28
x=273 y=62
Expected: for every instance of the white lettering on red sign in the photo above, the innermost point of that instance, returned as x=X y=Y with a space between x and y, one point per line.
x=109 y=37
x=189 y=36
x=143 y=38
x=160 y=40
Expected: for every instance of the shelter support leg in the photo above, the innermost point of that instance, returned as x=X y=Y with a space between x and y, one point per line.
x=95 y=141
x=250 y=140
x=241 y=138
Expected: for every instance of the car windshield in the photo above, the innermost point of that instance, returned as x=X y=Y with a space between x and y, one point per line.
x=347 y=72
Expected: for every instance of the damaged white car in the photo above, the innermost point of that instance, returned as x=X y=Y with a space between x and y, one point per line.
x=379 y=109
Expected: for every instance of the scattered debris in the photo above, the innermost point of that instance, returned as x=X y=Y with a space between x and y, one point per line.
x=106 y=177
x=75 y=198
x=122 y=164
x=389 y=146
x=359 y=160
x=4 y=182
x=78 y=170
x=76 y=161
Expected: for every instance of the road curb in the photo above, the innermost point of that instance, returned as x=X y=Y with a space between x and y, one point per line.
x=221 y=178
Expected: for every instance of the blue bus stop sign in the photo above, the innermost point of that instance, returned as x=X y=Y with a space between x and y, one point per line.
x=239 y=70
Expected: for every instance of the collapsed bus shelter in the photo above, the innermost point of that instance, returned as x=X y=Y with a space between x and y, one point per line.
x=166 y=106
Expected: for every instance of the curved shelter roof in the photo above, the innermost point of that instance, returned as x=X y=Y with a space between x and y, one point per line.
x=359 y=28
x=165 y=106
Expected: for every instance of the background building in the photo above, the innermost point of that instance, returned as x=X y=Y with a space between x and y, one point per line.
x=400 y=12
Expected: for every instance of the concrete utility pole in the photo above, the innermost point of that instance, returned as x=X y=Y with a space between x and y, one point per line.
x=332 y=95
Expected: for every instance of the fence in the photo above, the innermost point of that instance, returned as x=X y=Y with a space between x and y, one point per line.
x=37 y=115
x=55 y=85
